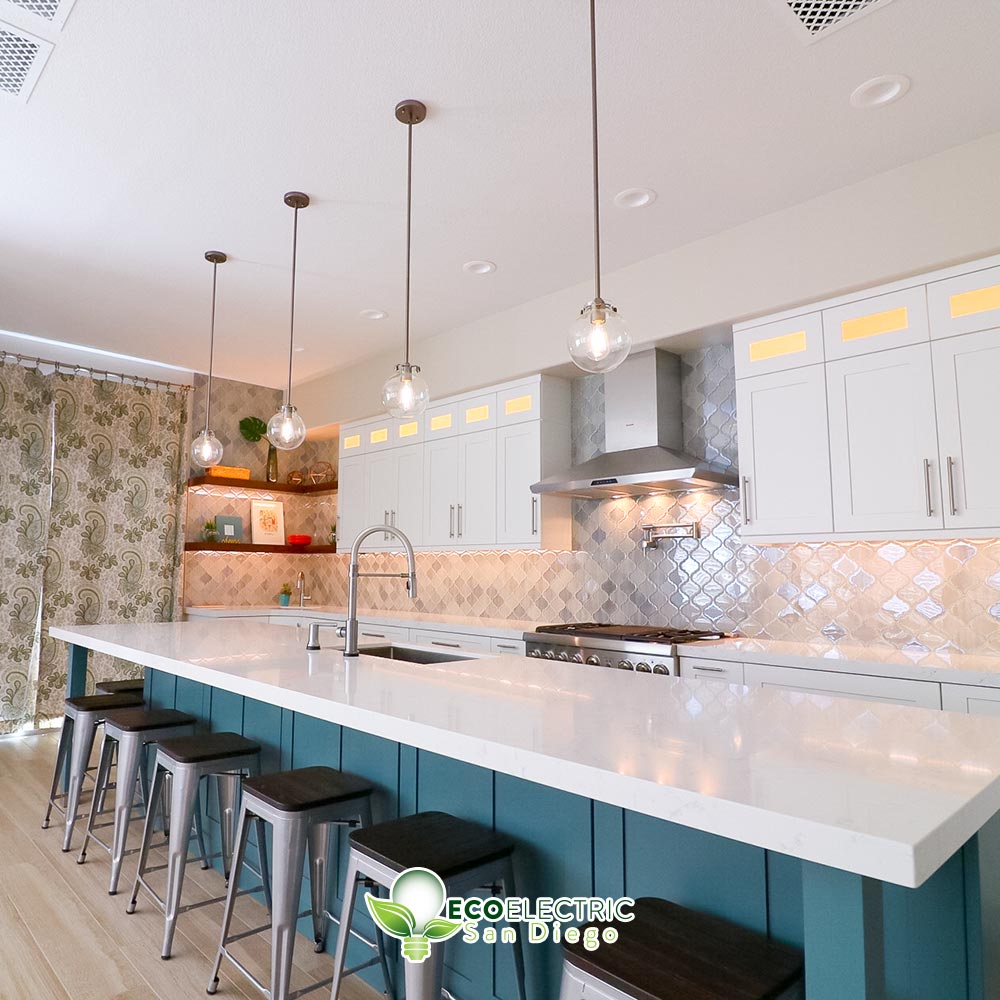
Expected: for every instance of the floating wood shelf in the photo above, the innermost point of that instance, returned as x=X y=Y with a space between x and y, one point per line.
x=305 y=550
x=260 y=484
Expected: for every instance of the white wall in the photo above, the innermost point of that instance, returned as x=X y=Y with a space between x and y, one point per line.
x=937 y=211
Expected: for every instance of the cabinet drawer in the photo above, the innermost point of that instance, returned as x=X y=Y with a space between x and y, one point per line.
x=507 y=647
x=452 y=640
x=717 y=670
x=775 y=347
x=925 y=694
x=896 y=319
x=964 y=304
x=970 y=699
x=371 y=633
x=477 y=413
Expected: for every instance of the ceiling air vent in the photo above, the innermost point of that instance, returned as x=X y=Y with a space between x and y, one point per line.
x=22 y=59
x=821 y=17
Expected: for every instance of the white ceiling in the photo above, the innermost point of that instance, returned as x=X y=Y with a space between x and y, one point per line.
x=161 y=129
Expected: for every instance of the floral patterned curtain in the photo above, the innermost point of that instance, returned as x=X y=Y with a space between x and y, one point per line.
x=110 y=548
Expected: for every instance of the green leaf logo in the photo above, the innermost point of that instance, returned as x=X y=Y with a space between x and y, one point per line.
x=440 y=929
x=394 y=918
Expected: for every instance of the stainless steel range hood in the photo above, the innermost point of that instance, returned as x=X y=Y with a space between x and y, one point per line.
x=643 y=437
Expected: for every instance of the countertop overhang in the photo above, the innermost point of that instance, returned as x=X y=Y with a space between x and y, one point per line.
x=880 y=790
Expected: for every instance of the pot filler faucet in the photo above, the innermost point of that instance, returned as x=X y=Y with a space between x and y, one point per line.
x=349 y=632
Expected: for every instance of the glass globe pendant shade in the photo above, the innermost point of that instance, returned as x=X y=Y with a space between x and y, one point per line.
x=406 y=393
x=599 y=340
x=206 y=449
x=286 y=430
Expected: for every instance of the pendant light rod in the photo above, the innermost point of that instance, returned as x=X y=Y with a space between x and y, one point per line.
x=294 y=200
x=215 y=258
x=410 y=113
x=593 y=111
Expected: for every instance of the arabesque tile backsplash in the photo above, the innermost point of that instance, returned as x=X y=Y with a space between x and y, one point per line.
x=933 y=595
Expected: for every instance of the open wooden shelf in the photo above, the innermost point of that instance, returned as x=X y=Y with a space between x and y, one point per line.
x=260 y=484
x=305 y=550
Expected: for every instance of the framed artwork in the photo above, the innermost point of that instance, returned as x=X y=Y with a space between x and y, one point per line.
x=267 y=522
x=229 y=529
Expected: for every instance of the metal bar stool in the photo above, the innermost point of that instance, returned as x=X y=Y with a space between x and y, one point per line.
x=188 y=759
x=669 y=952
x=128 y=732
x=135 y=686
x=467 y=857
x=303 y=807
x=76 y=742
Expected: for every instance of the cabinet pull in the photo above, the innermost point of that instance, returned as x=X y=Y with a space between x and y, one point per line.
x=373 y=635
x=927 y=487
x=746 y=500
x=711 y=670
x=385 y=520
x=450 y=645
x=393 y=518
x=504 y=645
x=951 y=487
x=451 y=520
x=459 y=520
x=534 y=515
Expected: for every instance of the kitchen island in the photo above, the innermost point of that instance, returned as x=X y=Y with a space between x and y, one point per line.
x=862 y=832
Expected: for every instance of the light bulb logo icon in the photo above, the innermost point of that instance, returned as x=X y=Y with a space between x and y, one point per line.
x=412 y=912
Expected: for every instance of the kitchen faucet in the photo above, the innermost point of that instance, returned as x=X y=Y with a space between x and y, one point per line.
x=300 y=586
x=349 y=632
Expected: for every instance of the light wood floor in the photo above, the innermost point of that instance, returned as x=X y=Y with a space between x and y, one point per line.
x=63 y=937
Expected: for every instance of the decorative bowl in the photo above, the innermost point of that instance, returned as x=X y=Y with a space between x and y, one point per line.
x=299 y=540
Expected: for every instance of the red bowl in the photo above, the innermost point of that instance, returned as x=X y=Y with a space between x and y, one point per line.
x=299 y=539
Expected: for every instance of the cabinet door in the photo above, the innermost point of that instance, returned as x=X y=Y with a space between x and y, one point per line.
x=380 y=493
x=476 y=515
x=440 y=492
x=350 y=500
x=925 y=694
x=784 y=453
x=408 y=503
x=878 y=323
x=966 y=381
x=883 y=442
x=964 y=304
x=519 y=464
x=970 y=699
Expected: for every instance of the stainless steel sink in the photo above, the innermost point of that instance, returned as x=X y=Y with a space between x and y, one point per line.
x=414 y=654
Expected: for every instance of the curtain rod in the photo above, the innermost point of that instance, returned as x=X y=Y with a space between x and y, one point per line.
x=73 y=369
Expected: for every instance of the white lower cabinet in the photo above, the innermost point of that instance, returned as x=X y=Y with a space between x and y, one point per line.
x=925 y=694
x=712 y=670
x=883 y=442
x=970 y=699
x=507 y=647
x=451 y=640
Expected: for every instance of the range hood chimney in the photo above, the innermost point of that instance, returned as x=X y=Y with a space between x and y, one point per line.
x=643 y=438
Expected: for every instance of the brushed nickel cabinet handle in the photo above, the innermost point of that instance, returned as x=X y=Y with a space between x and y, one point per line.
x=711 y=670
x=746 y=500
x=459 y=520
x=927 y=487
x=451 y=520
x=373 y=635
x=450 y=645
x=951 y=487
x=534 y=515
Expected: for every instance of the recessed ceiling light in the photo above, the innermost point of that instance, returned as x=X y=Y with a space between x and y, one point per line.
x=373 y=314
x=635 y=197
x=880 y=91
x=479 y=267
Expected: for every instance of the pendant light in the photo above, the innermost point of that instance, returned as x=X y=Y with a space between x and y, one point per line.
x=406 y=394
x=598 y=341
x=286 y=429
x=206 y=449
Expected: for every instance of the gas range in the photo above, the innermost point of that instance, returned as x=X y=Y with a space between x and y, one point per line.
x=645 y=649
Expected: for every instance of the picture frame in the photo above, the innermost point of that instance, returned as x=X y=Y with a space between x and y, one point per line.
x=229 y=529
x=267 y=522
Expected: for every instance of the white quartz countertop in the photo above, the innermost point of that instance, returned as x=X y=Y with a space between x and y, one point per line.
x=501 y=628
x=881 y=790
x=916 y=663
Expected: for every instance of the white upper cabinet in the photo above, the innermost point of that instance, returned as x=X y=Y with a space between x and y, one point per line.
x=966 y=382
x=883 y=442
x=408 y=500
x=519 y=464
x=773 y=347
x=476 y=508
x=380 y=492
x=878 y=323
x=440 y=493
x=784 y=453
x=965 y=303
x=350 y=500
x=477 y=413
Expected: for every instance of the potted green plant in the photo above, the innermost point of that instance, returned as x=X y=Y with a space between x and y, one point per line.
x=209 y=532
x=285 y=594
x=253 y=429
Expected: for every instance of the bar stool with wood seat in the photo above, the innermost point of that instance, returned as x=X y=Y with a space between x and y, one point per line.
x=135 y=686
x=81 y=718
x=303 y=806
x=128 y=732
x=226 y=757
x=467 y=856
x=669 y=952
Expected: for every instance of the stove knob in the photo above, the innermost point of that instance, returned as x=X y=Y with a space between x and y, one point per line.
x=661 y=668
x=549 y=655
x=642 y=668
x=625 y=665
x=534 y=652
x=578 y=657
x=564 y=656
x=594 y=661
